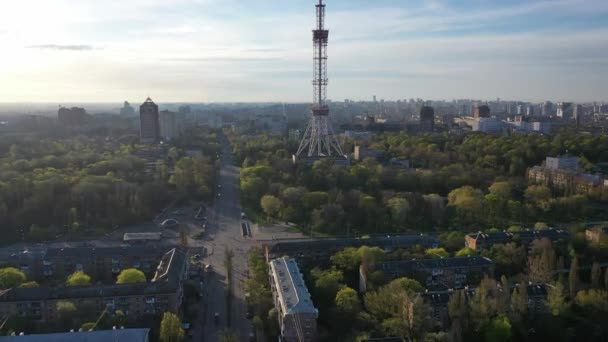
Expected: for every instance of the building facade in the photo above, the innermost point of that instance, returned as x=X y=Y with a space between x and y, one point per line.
x=168 y=125
x=480 y=241
x=163 y=293
x=149 y=125
x=72 y=117
x=427 y=119
x=443 y=273
x=296 y=312
x=562 y=163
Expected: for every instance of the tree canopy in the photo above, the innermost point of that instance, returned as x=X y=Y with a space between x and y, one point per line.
x=130 y=275
x=171 y=328
x=78 y=279
x=11 y=277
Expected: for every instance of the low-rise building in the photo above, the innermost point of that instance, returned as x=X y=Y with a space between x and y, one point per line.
x=323 y=248
x=296 y=312
x=566 y=162
x=115 y=335
x=102 y=264
x=438 y=301
x=443 y=273
x=480 y=241
x=564 y=179
x=163 y=293
x=362 y=153
x=596 y=235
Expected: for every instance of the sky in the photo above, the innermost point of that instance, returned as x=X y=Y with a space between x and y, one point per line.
x=261 y=50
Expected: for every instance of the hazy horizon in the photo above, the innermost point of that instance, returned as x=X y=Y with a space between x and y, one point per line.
x=258 y=51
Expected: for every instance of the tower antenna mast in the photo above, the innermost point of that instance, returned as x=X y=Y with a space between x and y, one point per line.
x=319 y=139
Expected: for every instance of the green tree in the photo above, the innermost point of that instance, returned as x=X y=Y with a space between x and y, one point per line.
x=66 y=311
x=504 y=190
x=595 y=300
x=573 y=279
x=466 y=252
x=347 y=302
x=596 y=276
x=11 y=277
x=499 y=330
x=410 y=286
x=452 y=241
x=171 y=328
x=78 y=279
x=400 y=208
x=482 y=307
x=519 y=303
x=347 y=259
x=131 y=275
x=542 y=261
x=556 y=299
x=327 y=283
x=271 y=205
x=437 y=253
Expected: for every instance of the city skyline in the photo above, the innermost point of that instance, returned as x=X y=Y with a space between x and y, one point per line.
x=257 y=51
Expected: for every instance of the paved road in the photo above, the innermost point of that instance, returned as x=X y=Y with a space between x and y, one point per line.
x=224 y=233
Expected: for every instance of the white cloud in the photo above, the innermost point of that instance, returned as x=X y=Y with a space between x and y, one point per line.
x=178 y=53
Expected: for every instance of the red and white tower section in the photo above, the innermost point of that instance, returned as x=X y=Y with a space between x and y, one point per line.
x=319 y=139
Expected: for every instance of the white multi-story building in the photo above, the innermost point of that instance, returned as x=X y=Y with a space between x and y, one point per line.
x=168 y=126
x=487 y=125
x=296 y=312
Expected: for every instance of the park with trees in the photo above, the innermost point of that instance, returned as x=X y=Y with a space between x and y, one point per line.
x=466 y=183
x=54 y=186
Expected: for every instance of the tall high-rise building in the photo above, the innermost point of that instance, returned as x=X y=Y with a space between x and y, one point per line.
x=564 y=110
x=168 y=125
x=71 y=117
x=127 y=109
x=427 y=118
x=149 y=126
x=530 y=110
x=482 y=111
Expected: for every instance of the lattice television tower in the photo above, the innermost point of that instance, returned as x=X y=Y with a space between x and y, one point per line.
x=319 y=139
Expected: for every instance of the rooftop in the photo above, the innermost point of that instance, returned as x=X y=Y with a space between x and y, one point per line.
x=293 y=294
x=100 y=252
x=141 y=236
x=329 y=244
x=172 y=265
x=119 y=335
x=526 y=234
x=400 y=266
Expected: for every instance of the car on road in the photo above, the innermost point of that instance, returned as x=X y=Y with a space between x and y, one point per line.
x=243 y=216
x=169 y=223
x=208 y=268
x=216 y=318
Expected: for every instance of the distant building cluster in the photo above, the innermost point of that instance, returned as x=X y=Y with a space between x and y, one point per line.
x=72 y=117
x=484 y=241
x=156 y=126
x=436 y=274
x=562 y=173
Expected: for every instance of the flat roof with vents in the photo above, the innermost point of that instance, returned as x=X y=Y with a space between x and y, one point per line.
x=291 y=289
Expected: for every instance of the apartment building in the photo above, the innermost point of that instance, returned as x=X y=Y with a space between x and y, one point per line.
x=163 y=293
x=444 y=273
x=296 y=312
x=480 y=241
